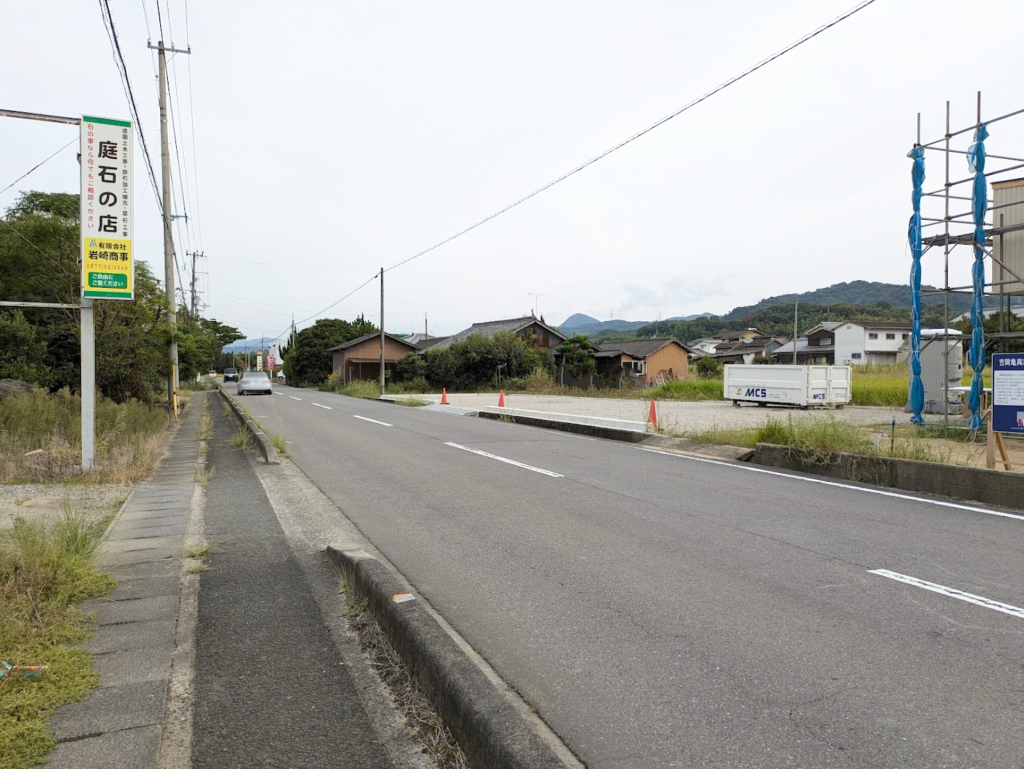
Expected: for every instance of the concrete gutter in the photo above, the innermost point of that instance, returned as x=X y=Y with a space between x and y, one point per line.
x=491 y=730
x=597 y=427
x=266 y=448
x=990 y=487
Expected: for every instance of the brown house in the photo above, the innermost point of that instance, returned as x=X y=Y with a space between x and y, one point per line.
x=360 y=358
x=529 y=327
x=648 y=360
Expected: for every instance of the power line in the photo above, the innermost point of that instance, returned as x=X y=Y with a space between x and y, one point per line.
x=108 y=23
x=638 y=134
x=325 y=309
x=37 y=165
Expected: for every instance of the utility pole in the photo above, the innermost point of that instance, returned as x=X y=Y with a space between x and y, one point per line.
x=169 y=287
x=381 y=330
x=425 y=334
x=194 y=255
x=796 y=318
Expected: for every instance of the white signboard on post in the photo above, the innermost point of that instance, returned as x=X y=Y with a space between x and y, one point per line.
x=108 y=270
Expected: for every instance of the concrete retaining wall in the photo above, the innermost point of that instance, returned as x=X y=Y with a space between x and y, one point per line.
x=488 y=727
x=990 y=487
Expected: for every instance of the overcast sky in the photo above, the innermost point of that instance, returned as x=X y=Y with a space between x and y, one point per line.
x=335 y=138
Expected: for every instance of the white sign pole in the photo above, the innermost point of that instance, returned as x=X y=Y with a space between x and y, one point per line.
x=88 y=386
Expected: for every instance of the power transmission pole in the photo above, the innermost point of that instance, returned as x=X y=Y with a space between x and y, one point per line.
x=169 y=287
x=194 y=255
x=381 y=330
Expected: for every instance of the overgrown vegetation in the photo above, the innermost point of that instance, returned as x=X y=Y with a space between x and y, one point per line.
x=39 y=263
x=308 y=361
x=481 y=361
x=40 y=438
x=44 y=571
x=419 y=714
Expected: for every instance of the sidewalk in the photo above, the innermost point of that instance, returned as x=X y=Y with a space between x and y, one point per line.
x=120 y=723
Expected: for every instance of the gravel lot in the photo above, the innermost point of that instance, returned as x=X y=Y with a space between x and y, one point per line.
x=45 y=501
x=689 y=417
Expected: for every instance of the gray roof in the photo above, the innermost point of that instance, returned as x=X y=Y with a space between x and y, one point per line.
x=639 y=348
x=492 y=327
x=374 y=335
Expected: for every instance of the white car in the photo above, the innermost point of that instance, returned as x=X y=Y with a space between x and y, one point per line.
x=254 y=382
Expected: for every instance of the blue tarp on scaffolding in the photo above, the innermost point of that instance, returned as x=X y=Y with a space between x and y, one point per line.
x=979 y=205
x=914 y=236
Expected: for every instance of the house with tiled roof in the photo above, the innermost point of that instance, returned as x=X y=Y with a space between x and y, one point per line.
x=647 y=361
x=528 y=327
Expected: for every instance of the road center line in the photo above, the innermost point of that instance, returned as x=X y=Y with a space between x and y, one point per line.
x=367 y=419
x=278 y=393
x=294 y=398
x=866 y=490
x=952 y=592
x=505 y=460
x=329 y=408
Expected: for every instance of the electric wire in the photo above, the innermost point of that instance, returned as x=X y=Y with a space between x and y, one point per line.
x=690 y=105
x=38 y=165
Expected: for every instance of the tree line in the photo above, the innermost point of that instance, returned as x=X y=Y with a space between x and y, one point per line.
x=39 y=262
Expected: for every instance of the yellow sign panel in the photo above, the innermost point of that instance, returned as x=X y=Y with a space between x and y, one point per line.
x=107 y=268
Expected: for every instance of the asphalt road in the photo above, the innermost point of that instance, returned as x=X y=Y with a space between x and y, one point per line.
x=668 y=611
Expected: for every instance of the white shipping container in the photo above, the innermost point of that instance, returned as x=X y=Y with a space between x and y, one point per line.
x=804 y=386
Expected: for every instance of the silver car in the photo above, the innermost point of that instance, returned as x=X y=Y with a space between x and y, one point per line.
x=254 y=382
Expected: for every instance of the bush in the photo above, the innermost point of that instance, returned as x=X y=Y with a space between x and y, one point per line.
x=410 y=367
x=708 y=368
x=688 y=390
x=417 y=385
x=475 y=361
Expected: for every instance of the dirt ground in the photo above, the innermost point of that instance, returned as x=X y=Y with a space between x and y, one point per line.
x=48 y=501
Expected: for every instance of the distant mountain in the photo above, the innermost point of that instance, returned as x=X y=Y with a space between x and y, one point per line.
x=242 y=345
x=597 y=327
x=860 y=292
x=694 y=317
x=576 y=320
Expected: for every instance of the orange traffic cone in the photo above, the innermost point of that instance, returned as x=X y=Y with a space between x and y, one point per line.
x=652 y=418
x=444 y=397
x=501 y=400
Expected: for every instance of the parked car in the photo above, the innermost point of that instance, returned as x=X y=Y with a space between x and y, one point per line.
x=254 y=382
x=213 y=373
x=230 y=375
x=280 y=377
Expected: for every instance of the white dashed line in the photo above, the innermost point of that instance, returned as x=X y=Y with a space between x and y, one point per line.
x=367 y=419
x=294 y=398
x=952 y=592
x=505 y=460
x=324 y=407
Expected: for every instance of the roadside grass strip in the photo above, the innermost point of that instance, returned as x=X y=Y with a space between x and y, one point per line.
x=367 y=419
x=44 y=571
x=865 y=489
x=951 y=592
x=505 y=460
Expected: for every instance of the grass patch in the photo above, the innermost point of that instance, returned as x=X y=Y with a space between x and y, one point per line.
x=197 y=551
x=414 y=402
x=360 y=388
x=197 y=569
x=205 y=427
x=44 y=571
x=879 y=391
x=130 y=438
x=241 y=439
x=685 y=390
x=277 y=438
x=437 y=741
x=203 y=477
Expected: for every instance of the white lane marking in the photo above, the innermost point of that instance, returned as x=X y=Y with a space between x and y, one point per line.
x=866 y=490
x=952 y=592
x=294 y=398
x=329 y=408
x=367 y=419
x=278 y=393
x=505 y=460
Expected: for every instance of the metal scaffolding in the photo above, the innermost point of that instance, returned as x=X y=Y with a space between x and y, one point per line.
x=982 y=219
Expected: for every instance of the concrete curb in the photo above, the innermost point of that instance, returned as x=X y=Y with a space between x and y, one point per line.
x=266 y=448
x=487 y=726
x=990 y=487
x=595 y=427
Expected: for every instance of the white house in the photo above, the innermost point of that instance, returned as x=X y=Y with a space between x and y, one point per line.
x=869 y=342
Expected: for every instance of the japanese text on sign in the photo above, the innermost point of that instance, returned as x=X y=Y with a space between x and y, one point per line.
x=107 y=265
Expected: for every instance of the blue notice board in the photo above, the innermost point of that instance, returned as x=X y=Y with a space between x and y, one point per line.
x=1008 y=392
